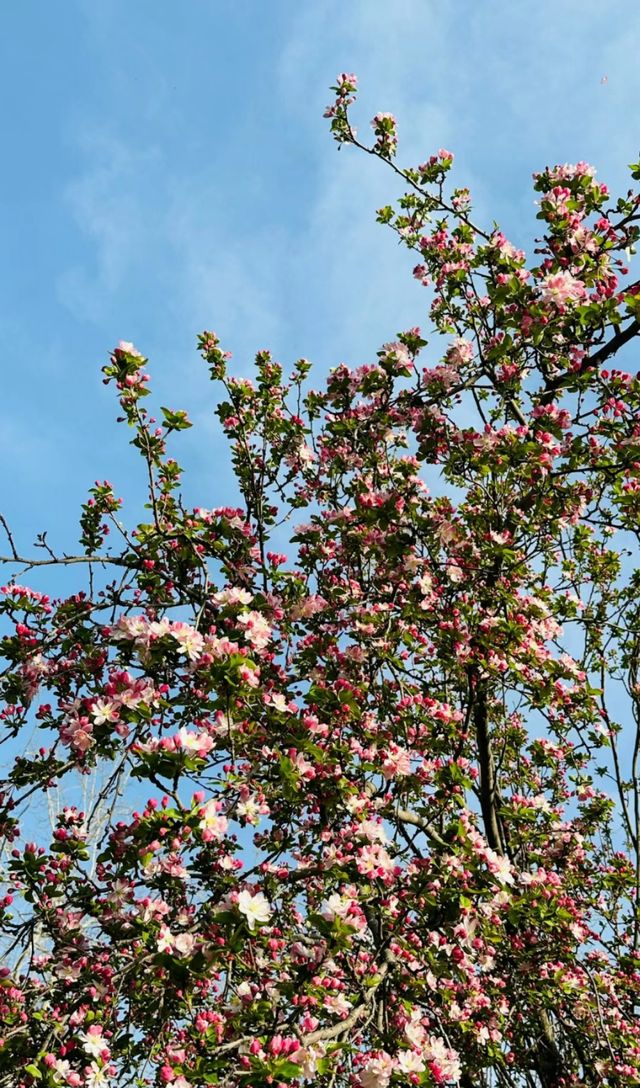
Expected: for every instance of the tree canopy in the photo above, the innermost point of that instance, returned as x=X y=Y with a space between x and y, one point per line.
x=366 y=813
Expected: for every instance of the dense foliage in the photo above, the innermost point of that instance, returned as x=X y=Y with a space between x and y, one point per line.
x=367 y=813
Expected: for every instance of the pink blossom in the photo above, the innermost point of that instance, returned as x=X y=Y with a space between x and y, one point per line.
x=233 y=595
x=460 y=352
x=397 y=762
x=93 y=1042
x=378 y=1071
x=374 y=859
x=127 y=347
x=104 y=711
x=212 y=823
x=444 y=1062
x=198 y=743
x=257 y=629
x=560 y=288
x=189 y=640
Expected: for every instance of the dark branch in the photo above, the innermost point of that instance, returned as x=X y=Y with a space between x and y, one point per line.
x=590 y=362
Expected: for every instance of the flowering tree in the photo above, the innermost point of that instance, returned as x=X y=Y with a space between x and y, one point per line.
x=381 y=797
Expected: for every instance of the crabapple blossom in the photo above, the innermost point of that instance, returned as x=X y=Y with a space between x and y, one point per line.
x=93 y=1042
x=377 y=1072
x=560 y=288
x=255 y=908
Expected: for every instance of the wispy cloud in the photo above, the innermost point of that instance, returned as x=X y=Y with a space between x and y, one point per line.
x=107 y=203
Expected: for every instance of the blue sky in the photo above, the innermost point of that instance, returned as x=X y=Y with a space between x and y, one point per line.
x=167 y=169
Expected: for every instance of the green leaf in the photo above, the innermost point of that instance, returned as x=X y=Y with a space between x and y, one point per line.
x=175 y=420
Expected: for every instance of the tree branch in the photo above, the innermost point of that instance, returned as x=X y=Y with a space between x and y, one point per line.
x=591 y=361
x=488 y=786
x=334 y=1030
